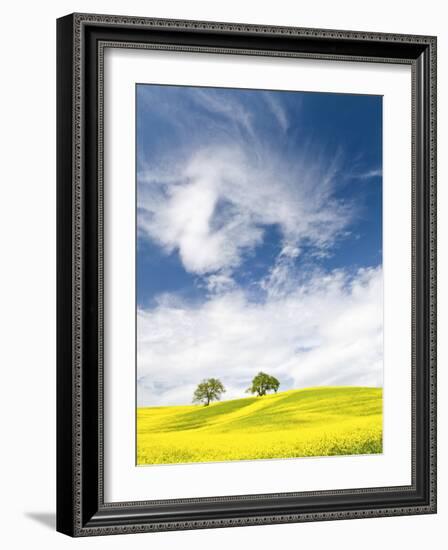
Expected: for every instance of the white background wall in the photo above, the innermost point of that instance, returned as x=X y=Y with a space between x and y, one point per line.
x=27 y=273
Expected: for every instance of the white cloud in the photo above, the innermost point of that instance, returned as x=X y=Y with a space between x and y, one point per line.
x=211 y=199
x=325 y=331
x=214 y=208
x=219 y=283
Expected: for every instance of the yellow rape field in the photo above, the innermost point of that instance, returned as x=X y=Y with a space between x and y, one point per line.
x=319 y=421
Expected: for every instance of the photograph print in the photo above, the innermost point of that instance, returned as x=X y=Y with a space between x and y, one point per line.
x=259 y=277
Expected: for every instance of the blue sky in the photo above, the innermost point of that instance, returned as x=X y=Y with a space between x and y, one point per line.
x=253 y=205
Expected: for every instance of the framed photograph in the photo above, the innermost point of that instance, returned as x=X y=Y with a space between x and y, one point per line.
x=246 y=274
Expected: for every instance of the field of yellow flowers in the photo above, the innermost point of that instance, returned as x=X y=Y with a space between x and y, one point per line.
x=319 y=421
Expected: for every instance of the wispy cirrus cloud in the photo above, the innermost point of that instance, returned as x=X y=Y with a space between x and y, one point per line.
x=213 y=208
x=277 y=109
x=366 y=174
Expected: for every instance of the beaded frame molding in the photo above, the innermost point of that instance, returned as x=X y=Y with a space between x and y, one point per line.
x=81 y=40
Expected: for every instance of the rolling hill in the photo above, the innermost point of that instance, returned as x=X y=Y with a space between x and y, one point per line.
x=319 y=421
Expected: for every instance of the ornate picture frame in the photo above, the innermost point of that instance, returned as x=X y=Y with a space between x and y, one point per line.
x=81 y=506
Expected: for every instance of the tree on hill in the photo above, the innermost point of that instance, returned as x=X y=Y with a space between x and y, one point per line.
x=262 y=383
x=208 y=390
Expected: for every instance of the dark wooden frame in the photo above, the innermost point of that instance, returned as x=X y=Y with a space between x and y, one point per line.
x=81 y=510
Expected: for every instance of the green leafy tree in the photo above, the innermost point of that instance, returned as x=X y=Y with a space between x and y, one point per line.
x=263 y=383
x=208 y=390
